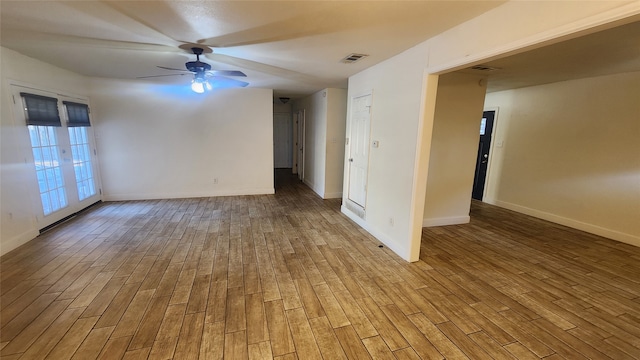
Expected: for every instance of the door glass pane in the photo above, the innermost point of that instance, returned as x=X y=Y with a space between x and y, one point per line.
x=82 y=162
x=48 y=170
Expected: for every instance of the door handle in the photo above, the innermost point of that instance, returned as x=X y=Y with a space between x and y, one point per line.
x=350 y=159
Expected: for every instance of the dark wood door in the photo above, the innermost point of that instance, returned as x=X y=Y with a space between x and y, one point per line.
x=486 y=127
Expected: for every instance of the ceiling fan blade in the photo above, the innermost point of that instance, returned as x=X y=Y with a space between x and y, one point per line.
x=263 y=68
x=226 y=73
x=155 y=76
x=313 y=20
x=61 y=40
x=225 y=82
x=168 y=68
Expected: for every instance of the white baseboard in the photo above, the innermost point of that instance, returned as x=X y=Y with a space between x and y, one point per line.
x=444 y=221
x=390 y=243
x=154 y=196
x=17 y=241
x=576 y=224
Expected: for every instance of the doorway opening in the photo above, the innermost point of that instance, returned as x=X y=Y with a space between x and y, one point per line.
x=482 y=162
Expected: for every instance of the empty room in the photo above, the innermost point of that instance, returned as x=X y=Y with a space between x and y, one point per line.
x=320 y=179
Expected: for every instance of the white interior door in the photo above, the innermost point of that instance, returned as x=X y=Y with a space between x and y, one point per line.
x=282 y=141
x=359 y=149
x=301 y=130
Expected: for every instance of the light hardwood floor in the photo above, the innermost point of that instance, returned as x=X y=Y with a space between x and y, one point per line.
x=287 y=276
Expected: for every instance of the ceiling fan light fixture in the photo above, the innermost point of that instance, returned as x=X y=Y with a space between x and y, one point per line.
x=199 y=84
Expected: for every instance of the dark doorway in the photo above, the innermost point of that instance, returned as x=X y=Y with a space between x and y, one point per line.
x=486 y=127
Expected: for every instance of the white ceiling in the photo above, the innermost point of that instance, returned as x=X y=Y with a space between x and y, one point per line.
x=293 y=47
x=610 y=51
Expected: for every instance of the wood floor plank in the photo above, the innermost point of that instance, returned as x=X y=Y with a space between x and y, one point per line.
x=188 y=346
x=387 y=330
x=406 y=354
x=436 y=337
x=260 y=351
x=213 y=341
x=489 y=345
x=466 y=344
x=331 y=307
x=288 y=291
x=50 y=337
x=134 y=313
x=326 y=339
x=26 y=315
x=93 y=343
x=101 y=301
x=72 y=340
x=360 y=322
x=378 y=349
x=236 y=319
x=115 y=348
x=199 y=294
x=257 y=329
x=140 y=354
x=150 y=323
x=303 y=337
x=279 y=332
x=520 y=332
x=235 y=345
x=309 y=298
x=217 y=302
x=559 y=347
x=111 y=316
x=84 y=298
x=34 y=329
x=519 y=351
x=412 y=335
x=351 y=343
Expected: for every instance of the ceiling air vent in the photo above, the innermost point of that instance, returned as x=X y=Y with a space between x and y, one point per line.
x=483 y=68
x=353 y=58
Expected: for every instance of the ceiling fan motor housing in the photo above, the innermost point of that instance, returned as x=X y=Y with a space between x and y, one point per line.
x=197 y=66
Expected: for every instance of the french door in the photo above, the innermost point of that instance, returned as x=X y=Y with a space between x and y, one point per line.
x=59 y=141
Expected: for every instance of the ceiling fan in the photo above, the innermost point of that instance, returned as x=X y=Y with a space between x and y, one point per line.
x=203 y=77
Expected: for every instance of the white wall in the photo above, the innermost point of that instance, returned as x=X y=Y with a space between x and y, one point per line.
x=335 y=141
x=19 y=198
x=454 y=149
x=162 y=141
x=397 y=86
x=404 y=97
x=315 y=107
x=325 y=118
x=571 y=154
